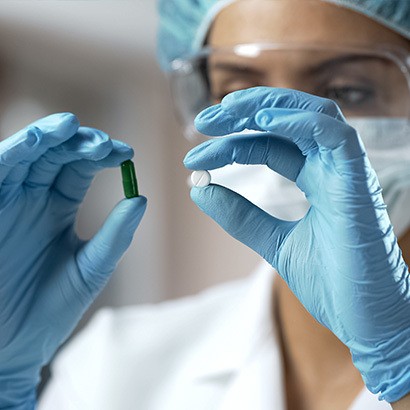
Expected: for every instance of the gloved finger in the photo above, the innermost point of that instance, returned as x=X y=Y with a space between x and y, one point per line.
x=87 y=143
x=247 y=103
x=75 y=178
x=99 y=256
x=237 y=110
x=312 y=131
x=278 y=153
x=242 y=220
x=30 y=143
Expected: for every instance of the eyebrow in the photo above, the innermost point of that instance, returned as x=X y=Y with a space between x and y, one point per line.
x=349 y=58
x=236 y=68
x=323 y=66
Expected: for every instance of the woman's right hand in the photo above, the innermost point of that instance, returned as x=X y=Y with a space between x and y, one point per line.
x=48 y=276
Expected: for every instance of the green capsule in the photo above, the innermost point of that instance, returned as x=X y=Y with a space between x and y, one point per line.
x=129 y=179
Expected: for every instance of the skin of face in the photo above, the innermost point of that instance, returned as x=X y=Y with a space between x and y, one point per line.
x=318 y=372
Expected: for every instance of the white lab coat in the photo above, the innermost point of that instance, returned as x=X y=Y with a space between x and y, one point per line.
x=216 y=350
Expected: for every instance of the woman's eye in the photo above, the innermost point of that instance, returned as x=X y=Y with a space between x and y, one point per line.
x=348 y=96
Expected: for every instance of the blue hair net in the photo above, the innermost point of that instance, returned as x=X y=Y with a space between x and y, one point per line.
x=185 y=23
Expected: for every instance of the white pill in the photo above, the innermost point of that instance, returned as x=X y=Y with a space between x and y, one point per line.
x=201 y=178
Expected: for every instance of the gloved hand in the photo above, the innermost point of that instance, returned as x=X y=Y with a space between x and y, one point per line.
x=48 y=276
x=342 y=259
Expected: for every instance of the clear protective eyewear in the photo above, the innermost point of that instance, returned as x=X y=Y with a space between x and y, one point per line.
x=364 y=82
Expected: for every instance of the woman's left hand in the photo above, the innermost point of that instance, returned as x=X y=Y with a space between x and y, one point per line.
x=342 y=259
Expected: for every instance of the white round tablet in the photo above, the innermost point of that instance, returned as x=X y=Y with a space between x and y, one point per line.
x=201 y=178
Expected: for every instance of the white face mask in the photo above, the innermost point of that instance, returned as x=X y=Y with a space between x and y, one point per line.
x=265 y=188
x=387 y=141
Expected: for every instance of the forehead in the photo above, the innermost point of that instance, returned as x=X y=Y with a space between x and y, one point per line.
x=309 y=21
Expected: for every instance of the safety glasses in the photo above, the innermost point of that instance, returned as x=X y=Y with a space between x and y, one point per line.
x=364 y=82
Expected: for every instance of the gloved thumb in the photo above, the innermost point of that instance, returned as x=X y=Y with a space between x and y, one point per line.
x=242 y=219
x=99 y=256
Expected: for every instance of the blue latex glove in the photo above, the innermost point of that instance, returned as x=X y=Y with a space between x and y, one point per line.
x=342 y=259
x=48 y=276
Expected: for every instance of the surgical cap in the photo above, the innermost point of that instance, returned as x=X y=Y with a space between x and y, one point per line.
x=184 y=23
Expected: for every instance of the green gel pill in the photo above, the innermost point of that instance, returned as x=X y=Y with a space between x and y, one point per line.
x=129 y=179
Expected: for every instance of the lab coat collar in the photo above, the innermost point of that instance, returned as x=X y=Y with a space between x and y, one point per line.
x=240 y=329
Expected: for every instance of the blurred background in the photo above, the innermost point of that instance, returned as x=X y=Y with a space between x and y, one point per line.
x=97 y=59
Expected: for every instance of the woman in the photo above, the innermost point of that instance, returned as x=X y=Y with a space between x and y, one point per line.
x=249 y=344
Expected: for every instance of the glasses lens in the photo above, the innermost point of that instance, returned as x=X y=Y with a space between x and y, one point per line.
x=363 y=84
